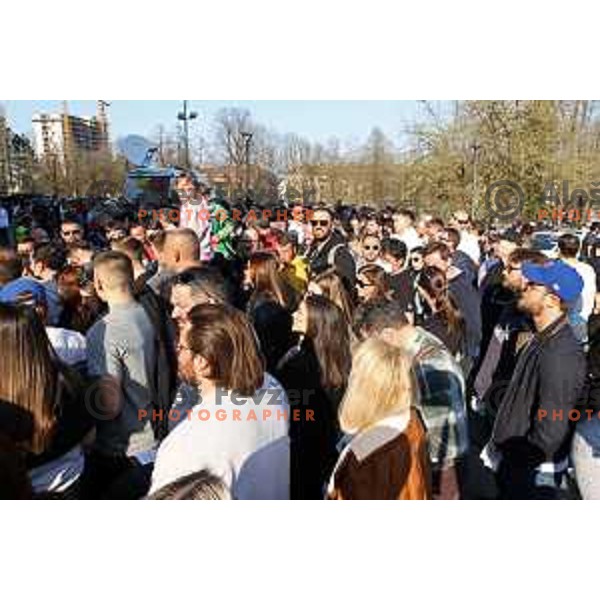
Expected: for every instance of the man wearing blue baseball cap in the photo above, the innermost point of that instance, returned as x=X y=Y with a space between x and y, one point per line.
x=532 y=434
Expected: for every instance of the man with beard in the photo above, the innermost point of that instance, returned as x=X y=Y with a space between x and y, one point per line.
x=328 y=249
x=512 y=329
x=532 y=433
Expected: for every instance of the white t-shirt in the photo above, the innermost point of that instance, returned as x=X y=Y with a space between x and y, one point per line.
x=470 y=246
x=410 y=237
x=585 y=303
x=196 y=216
x=246 y=444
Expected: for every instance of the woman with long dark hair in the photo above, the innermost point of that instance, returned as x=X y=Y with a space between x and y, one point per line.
x=315 y=374
x=442 y=316
x=269 y=307
x=372 y=284
x=35 y=383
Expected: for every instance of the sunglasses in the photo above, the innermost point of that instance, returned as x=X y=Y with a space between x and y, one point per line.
x=372 y=247
x=530 y=285
x=318 y=223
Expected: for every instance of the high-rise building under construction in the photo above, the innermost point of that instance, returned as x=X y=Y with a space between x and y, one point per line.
x=62 y=134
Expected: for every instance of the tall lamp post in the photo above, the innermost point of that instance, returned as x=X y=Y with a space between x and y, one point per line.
x=247 y=142
x=475 y=148
x=186 y=117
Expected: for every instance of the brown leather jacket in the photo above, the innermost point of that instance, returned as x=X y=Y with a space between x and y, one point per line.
x=383 y=463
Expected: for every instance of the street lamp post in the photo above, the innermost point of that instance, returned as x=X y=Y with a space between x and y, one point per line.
x=475 y=148
x=247 y=142
x=186 y=117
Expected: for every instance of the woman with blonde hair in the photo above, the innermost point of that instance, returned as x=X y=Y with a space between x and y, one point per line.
x=386 y=458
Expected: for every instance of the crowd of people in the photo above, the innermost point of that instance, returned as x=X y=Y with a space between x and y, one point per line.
x=335 y=353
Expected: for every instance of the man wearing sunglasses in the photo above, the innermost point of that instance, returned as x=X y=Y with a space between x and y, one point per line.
x=532 y=433
x=328 y=249
x=469 y=243
x=370 y=252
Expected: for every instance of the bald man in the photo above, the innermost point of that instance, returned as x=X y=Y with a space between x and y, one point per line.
x=122 y=355
x=180 y=250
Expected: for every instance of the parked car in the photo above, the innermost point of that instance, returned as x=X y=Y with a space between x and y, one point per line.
x=546 y=242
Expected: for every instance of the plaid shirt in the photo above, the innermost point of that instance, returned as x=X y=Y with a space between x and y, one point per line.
x=442 y=398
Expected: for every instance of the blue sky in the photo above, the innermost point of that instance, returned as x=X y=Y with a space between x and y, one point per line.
x=316 y=120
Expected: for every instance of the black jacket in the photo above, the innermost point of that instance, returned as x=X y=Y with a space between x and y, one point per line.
x=333 y=253
x=313 y=451
x=166 y=375
x=273 y=325
x=468 y=301
x=548 y=376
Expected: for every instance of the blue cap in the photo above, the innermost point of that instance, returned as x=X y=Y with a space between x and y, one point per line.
x=23 y=290
x=557 y=276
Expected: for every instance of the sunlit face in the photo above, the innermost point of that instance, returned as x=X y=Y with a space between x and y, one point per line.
x=185 y=189
x=285 y=253
x=25 y=249
x=71 y=233
x=182 y=301
x=435 y=260
x=138 y=232
x=401 y=222
x=300 y=322
x=513 y=277
x=298 y=214
x=372 y=227
x=371 y=248
x=394 y=263
x=434 y=232
x=365 y=289
x=416 y=261
x=533 y=298
x=321 y=223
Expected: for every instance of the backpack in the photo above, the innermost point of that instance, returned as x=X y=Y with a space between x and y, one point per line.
x=165 y=381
